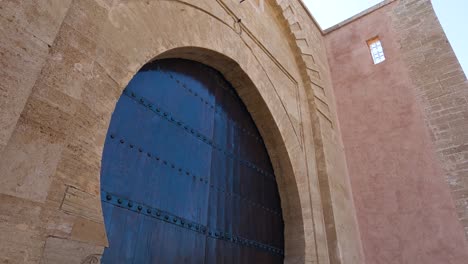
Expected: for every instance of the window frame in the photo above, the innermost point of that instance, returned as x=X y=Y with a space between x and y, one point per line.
x=377 y=55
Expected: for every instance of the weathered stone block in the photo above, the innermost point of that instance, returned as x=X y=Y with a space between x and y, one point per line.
x=28 y=163
x=59 y=251
x=41 y=18
x=21 y=58
x=21 y=239
x=82 y=204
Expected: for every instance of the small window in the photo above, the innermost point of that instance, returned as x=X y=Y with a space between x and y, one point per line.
x=376 y=50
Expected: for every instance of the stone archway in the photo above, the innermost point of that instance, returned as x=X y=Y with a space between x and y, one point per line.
x=234 y=57
x=98 y=49
x=277 y=143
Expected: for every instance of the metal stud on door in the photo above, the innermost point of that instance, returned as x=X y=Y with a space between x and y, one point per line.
x=185 y=174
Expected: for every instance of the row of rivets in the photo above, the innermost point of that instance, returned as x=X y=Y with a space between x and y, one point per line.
x=201 y=179
x=203 y=138
x=184 y=223
x=221 y=113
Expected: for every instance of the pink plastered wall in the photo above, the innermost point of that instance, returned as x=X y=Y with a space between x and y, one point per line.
x=404 y=208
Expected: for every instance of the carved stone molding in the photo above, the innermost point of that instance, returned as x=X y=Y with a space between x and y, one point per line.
x=92 y=259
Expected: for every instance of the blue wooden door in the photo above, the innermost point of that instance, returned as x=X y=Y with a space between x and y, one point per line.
x=185 y=175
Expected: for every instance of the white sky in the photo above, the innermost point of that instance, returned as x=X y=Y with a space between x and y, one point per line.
x=452 y=15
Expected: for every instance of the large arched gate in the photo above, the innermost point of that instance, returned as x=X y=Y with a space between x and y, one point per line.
x=185 y=174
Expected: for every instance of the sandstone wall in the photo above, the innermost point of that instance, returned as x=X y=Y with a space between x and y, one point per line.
x=65 y=64
x=343 y=239
x=402 y=125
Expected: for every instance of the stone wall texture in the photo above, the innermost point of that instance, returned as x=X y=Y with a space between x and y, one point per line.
x=404 y=126
x=64 y=66
x=65 y=63
x=442 y=89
